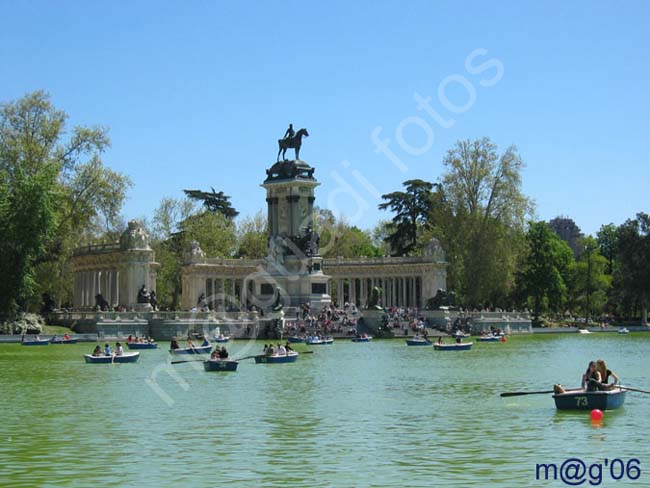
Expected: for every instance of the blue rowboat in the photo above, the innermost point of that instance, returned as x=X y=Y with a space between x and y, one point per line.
x=589 y=400
x=275 y=359
x=489 y=339
x=142 y=345
x=127 y=357
x=35 y=343
x=361 y=339
x=315 y=341
x=63 y=341
x=220 y=365
x=222 y=339
x=418 y=342
x=296 y=340
x=463 y=346
x=192 y=350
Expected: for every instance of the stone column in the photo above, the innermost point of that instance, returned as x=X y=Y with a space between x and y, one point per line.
x=384 y=292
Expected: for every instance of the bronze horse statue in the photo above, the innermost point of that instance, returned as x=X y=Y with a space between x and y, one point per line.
x=291 y=142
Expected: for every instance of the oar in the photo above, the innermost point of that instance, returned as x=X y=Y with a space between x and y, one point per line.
x=188 y=361
x=520 y=393
x=632 y=389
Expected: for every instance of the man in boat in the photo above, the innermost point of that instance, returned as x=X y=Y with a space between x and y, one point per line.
x=174 y=345
x=223 y=353
x=107 y=350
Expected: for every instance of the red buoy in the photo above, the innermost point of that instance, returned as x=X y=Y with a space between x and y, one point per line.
x=596 y=415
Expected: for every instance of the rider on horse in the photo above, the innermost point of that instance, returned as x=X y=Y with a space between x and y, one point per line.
x=290 y=133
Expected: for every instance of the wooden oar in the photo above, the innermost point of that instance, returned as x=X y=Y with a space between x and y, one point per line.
x=632 y=389
x=520 y=393
x=188 y=361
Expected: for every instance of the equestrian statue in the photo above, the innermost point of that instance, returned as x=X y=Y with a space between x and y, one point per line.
x=291 y=139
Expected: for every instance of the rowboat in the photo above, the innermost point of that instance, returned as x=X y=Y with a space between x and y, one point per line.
x=290 y=357
x=490 y=338
x=418 y=341
x=623 y=330
x=192 y=350
x=463 y=346
x=584 y=331
x=142 y=345
x=222 y=339
x=127 y=357
x=39 y=342
x=362 y=339
x=220 y=365
x=317 y=341
x=63 y=341
x=296 y=340
x=589 y=400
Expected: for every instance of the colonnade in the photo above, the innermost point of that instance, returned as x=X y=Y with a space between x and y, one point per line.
x=88 y=284
x=396 y=291
x=220 y=291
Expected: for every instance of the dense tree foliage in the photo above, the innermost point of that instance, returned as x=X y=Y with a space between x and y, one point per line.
x=544 y=273
x=55 y=193
x=411 y=208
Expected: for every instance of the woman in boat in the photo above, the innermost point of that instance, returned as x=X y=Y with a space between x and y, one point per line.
x=215 y=354
x=174 y=345
x=223 y=353
x=130 y=339
x=119 y=350
x=205 y=342
x=591 y=379
x=97 y=351
x=605 y=374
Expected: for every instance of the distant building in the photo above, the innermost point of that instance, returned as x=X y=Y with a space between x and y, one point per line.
x=568 y=231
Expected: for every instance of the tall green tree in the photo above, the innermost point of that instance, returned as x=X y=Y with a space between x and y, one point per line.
x=589 y=282
x=633 y=259
x=607 y=243
x=542 y=279
x=252 y=237
x=411 y=209
x=482 y=219
x=54 y=193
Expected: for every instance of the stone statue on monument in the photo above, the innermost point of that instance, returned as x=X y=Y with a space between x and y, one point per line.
x=291 y=141
x=143 y=295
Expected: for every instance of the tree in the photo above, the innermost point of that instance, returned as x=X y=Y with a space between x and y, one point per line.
x=589 y=282
x=252 y=237
x=481 y=218
x=542 y=280
x=633 y=258
x=607 y=244
x=54 y=193
x=411 y=208
x=215 y=202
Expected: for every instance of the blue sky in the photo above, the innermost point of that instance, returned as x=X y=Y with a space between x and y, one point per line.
x=196 y=94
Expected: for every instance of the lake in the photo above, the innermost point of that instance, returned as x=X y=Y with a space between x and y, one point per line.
x=377 y=414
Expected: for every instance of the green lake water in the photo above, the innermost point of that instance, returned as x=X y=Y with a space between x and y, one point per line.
x=377 y=414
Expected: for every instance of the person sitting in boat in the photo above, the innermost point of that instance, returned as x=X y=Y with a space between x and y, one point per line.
x=440 y=340
x=459 y=338
x=591 y=379
x=215 y=354
x=190 y=344
x=288 y=347
x=281 y=350
x=107 y=350
x=98 y=350
x=270 y=351
x=223 y=353
x=605 y=373
x=174 y=344
x=130 y=339
x=205 y=342
x=119 y=350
